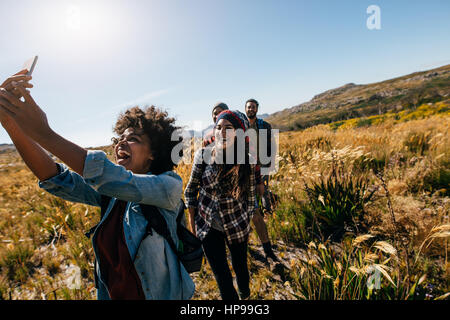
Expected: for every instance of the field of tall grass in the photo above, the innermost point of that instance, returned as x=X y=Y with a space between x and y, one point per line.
x=363 y=213
x=367 y=202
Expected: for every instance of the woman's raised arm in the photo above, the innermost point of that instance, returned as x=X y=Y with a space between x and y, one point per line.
x=33 y=122
x=39 y=162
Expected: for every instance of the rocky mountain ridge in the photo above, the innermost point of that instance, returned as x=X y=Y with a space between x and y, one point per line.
x=355 y=100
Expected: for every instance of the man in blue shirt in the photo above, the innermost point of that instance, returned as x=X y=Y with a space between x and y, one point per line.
x=261 y=127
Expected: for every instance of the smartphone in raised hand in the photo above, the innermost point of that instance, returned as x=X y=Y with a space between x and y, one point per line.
x=30 y=64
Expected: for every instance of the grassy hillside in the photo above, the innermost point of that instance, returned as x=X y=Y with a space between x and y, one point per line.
x=356 y=101
x=440 y=109
x=356 y=202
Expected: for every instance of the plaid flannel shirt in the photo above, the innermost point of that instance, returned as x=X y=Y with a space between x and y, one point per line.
x=207 y=195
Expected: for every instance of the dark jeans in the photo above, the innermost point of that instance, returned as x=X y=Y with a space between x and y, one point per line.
x=214 y=248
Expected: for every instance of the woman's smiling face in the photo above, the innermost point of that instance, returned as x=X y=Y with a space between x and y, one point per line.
x=224 y=134
x=133 y=152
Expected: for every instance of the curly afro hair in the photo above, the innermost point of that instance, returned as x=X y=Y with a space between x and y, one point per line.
x=158 y=127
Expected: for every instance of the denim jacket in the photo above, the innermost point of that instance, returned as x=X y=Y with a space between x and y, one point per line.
x=162 y=276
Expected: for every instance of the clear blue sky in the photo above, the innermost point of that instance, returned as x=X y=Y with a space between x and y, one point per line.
x=98 y=57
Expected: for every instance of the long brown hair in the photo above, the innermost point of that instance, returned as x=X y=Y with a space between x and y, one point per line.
x=239 y=174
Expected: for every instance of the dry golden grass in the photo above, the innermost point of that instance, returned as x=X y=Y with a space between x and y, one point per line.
x=43 y=250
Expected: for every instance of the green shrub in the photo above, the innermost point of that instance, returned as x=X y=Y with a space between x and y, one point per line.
x=438 y=179
x=418 y=142
x=288 y=223
x=355 y=271
x=17 y=263
x=337 y=203
x=429 y=177
x=364 y=122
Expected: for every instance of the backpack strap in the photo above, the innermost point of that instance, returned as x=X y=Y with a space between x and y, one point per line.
x=259 y=123
x=203 y=161
x=181 y=209
x=156 y=221
x=104 y=202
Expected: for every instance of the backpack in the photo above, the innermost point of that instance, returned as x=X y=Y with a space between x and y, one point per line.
x=260 y=123
x=189 y=249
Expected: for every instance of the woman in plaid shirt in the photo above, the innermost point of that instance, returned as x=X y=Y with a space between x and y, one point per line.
x=220 y=197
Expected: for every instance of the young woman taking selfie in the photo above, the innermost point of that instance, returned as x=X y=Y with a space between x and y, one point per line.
x=126 y=266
